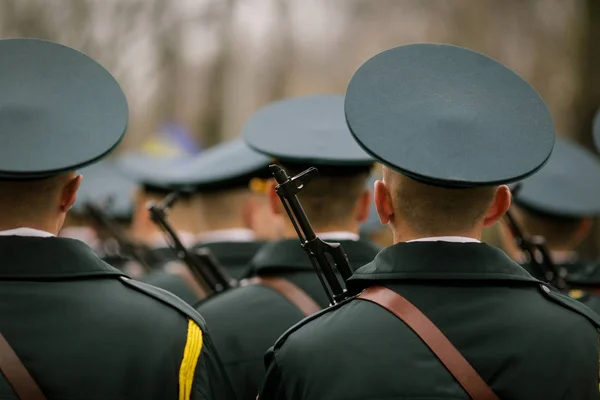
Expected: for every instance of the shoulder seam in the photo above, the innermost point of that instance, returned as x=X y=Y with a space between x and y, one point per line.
x=571 y=304
x=308 y=319
x=166 y=298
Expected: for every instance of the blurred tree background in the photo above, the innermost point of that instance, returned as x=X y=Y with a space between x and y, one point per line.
x=208 y=64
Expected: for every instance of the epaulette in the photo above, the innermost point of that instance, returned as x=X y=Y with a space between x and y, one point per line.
x=308 y=319
x=568 y=302
x=166 y=298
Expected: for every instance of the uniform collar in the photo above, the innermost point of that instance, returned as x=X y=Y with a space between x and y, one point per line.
x=227 y=235
x=49 y=258
x=441 y=260
x=289 y=254
x=28 y=232
x=338 y=235
x=453 y=239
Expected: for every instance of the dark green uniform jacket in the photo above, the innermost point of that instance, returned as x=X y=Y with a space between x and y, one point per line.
x=527 y=344
x=246 y=321
x=84 y=331
x=233 y=256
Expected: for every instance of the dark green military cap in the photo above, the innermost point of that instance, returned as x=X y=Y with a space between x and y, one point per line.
x=448 y=116
x=59 y=109
x=104 y=185
x=224 y=166
x=567 y=186
x=305 y=130
x=596 y=129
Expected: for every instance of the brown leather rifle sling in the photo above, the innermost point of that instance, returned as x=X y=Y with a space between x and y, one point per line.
x=16 y=374
x=430 y=334
x=289 y=291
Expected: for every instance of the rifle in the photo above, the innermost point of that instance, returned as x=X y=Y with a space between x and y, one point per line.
x=318 y=251
x=536 y=251
x=205 y=268
x=139 y=252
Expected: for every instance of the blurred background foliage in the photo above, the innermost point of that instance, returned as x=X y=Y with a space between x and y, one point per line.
x=206 y=65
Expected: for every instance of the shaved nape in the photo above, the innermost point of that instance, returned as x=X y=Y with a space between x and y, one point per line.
x=32 y=202
x=437 y=211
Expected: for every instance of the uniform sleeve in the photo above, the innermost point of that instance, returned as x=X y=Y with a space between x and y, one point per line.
x=201 y=375
x=272 y=387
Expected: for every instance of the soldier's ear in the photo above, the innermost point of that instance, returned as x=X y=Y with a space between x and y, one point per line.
x=69 y=193
x=274 y=200
x=499 y=206
x=383 y=202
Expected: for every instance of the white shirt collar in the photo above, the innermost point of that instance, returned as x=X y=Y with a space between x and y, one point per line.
x=455 y=239
x=187 y=239
x=339 y=235
x=29 y=232
x=227 y=235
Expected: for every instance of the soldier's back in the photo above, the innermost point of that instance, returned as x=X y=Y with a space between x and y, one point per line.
x=84 y=331
x=522 y=344
x=247 y=320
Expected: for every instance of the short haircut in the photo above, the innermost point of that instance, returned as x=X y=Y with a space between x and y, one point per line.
x=224 y=207
x=28 y=197
x=437 y=211
x=330 y=198
x=558 y=231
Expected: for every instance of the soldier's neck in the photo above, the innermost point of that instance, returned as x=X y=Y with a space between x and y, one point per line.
x=47 y=225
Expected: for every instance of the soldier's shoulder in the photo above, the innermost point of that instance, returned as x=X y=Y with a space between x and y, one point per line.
x=163 y=304
x=311 y=325
x=570 y=308
x=244 y=303
x=561 y=312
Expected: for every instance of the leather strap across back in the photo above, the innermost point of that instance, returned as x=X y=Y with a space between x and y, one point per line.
x=16 y=374
x=430 y=334
x=291 y=292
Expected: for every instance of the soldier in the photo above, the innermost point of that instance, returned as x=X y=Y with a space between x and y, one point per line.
x=152 y=174
x=230 y=217
x=154 y=177
x=72 y=326
x=231 y=181
x=558 y=203
x=442 y=315
x=282 y=287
